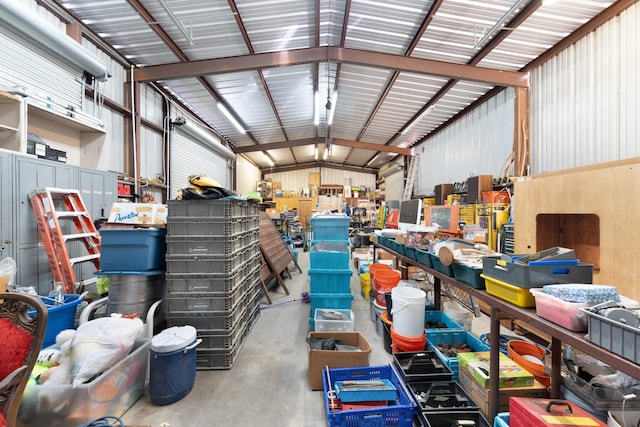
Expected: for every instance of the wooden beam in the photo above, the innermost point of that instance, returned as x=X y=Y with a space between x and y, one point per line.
x=321 y=141
x=337 y=54
x=521 y=132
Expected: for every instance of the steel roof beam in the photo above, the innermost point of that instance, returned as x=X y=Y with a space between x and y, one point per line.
x=336 y=54
x=311 y=141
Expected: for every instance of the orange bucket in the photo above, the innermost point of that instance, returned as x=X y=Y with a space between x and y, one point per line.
x=401 y=343
x=384 y=282
x=519 y=349
x=373 y=268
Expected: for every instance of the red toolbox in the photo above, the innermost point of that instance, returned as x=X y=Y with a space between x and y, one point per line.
x=532 y=412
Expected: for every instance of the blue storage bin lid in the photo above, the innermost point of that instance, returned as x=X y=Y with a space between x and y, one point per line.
x=173 y=339
x=128 y=273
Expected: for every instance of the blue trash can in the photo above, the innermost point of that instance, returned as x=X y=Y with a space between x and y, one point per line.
x=173 y=364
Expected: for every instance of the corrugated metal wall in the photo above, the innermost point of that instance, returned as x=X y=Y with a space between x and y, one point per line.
x=292 y=180
x=477 y=144
x=584 y=102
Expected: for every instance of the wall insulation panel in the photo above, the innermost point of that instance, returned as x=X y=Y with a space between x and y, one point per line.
x=584 y=101
x=479 y=144
x=246 y=176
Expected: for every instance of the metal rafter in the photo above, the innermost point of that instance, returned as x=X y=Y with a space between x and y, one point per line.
x=247 y=42
x=336 y=54
x=482 y=53
x=319 y=140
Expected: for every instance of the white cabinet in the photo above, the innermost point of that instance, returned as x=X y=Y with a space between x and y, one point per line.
x=79 y=136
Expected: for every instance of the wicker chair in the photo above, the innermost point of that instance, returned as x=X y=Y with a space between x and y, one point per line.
x=22 y=337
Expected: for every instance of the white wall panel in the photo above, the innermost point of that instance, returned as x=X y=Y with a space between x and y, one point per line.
x=292 y=180
x=246 y=176
x=394 y=186
x=584 y=101
x=151 y=146
x=477 y=144
x=299 y=179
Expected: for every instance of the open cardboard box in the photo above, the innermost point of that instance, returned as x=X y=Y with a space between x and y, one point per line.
x=319 y=359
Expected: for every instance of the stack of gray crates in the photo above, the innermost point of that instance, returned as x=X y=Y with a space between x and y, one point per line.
x=213 y=274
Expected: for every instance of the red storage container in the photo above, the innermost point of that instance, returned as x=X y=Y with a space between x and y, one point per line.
x=532 y=412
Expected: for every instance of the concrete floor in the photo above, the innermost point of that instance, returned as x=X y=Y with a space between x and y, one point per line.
x=268 y=384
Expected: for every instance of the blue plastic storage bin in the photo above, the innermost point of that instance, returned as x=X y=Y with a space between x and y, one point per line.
x=330 y=281
x=432 y=317
x=330 y=227
x=501 y=419
x=457 y=338
x=329 y=254
x=132 y=249
x=61 y=317
x=439 y=266
x=330 y=300
x=398 y=413
x=424 y=258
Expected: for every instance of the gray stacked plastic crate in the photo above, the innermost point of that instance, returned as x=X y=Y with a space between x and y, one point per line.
x=213 y=274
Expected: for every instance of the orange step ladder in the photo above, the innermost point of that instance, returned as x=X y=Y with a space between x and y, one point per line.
x=50 y=221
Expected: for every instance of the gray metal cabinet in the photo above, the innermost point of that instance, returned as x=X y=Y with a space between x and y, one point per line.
x=99 y=191
x=6 y=205
x=30 y=174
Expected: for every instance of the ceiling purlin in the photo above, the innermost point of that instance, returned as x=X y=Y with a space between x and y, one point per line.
x=416 y=39
x=247 y=42
x=526 y=12
x=500 y=36
x=156 y=28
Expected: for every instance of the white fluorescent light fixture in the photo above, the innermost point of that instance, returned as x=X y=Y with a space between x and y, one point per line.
x=316 y=112
x=417 y=119
x=332 y=111
x=271 y=163
x=498 y=25
x=231 y=118
x=316 y=153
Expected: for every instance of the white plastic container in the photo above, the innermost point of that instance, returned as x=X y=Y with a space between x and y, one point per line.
x=329 y=320
x=408 y=306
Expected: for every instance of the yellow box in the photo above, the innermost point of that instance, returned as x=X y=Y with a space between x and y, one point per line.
x=513 y=294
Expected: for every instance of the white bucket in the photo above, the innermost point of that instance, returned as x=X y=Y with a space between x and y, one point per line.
x=378 y=312
x=408 y=311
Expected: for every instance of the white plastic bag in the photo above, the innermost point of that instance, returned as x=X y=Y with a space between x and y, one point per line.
x=8 y=269
x=101 y=343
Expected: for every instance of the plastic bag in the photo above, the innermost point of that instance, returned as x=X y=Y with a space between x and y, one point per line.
x=101 y=343
x=9 y=269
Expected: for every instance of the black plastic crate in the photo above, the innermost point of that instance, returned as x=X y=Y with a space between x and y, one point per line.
x=452 y=419
x=441 y=396
x=422 y=366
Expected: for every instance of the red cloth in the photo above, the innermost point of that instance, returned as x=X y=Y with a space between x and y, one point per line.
x=15 y=347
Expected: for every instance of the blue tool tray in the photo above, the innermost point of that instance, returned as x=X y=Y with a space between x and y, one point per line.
x=365 y=391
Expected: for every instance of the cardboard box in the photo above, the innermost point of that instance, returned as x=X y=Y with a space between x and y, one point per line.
x=318 y=359
x=511 y=374
x=150 y=214
x=480 y=395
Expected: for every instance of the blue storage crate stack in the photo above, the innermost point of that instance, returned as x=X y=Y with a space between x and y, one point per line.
x=445 y=343
x=330 y=273
x=213 y=274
